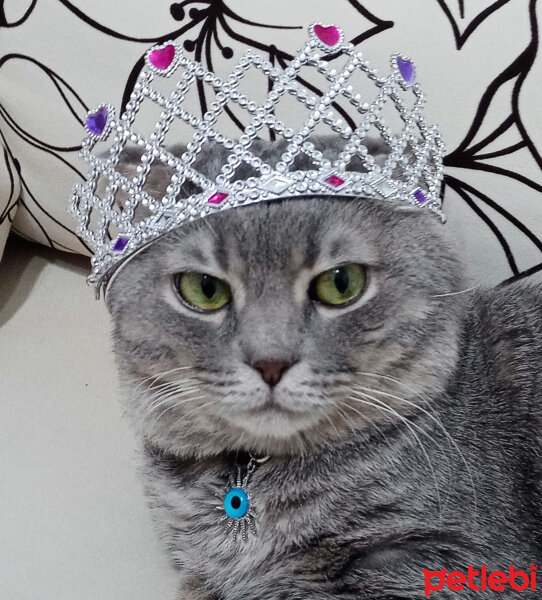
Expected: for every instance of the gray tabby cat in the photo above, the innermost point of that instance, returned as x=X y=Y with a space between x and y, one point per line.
x=401 y=417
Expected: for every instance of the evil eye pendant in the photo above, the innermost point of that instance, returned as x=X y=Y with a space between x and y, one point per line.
x=236 y=503
x=239 y=517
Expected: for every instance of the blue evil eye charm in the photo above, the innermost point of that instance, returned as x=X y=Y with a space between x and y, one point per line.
x=239 y=517
x=236 y=503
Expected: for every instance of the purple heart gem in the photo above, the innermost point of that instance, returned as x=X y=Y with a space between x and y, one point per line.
x=407 y=70
x=97 y=121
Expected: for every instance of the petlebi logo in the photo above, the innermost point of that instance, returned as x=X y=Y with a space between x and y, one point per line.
x=480 y=580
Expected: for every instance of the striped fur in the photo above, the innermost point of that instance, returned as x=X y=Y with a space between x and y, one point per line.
x=413 y=439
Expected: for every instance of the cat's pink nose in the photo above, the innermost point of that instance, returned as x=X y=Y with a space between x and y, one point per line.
x=272 y=370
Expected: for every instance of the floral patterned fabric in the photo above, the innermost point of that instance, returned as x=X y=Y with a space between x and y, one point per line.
x=478 y=62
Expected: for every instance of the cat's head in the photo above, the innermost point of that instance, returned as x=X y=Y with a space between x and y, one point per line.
x=282 y=325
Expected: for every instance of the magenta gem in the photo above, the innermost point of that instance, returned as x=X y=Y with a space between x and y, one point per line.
x=97 y=121
x=421 y=198
x=217 y=198
x=328 y=35
x=163 y=57
x=334 y=180
x=120 y=243
x=407 y=70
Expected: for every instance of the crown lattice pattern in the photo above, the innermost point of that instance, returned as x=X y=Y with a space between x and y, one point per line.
x=411 y=174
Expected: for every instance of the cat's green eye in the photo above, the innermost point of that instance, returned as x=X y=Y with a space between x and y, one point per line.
x=339 y=285
x=201 y=291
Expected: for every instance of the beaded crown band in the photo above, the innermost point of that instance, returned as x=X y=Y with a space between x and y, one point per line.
x=411 y=174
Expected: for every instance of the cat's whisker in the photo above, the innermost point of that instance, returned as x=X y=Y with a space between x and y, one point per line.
x=178 y=385
x=174 y=382
x=368 y=421
x=417 y=393
x=455 y=293
x=181 y=384
x=159 y=399
x=409 y=425
x=167 y=402
x=432 y=417
x=332 y=425
x=162 y=374
x=381 y=405
x=173 y=395
x=198 y=408
x=435 y=419
x=177 y=404
x=344 y=416
x=357 y=390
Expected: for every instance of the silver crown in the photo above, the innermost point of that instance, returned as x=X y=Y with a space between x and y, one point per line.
x=411 y=174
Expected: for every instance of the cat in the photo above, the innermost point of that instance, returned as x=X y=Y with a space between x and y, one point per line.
x=392 y=435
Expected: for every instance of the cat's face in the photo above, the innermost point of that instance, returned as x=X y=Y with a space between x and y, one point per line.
x=277 y=363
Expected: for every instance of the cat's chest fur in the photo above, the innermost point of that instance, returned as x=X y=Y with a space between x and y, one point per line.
x=189 y=498
x=302 y=509
x=297 y=509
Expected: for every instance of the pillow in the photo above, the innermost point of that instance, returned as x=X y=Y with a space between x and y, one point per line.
x=483 y=87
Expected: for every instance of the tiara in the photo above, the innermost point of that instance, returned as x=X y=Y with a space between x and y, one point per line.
x=411 y=174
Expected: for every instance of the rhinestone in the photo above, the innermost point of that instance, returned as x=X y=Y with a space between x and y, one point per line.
x=420 y=197
x=426 y=145
x=120 y=244
x=217 y=198
x=96 y=122
x=334 y=180
x=407 y=70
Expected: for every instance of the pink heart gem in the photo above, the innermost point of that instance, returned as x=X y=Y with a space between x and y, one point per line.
x=162 y=58
x=328 y=35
